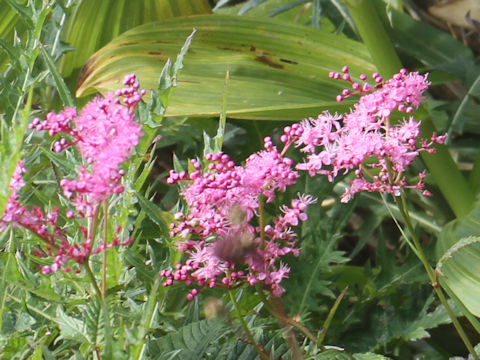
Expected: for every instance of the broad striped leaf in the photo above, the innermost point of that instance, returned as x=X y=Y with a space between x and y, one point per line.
x=94 y=23
x=277 y=70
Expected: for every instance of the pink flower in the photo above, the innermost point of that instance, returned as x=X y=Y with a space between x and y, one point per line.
x=16 y=182
x=366 y=142
x=266 y=172
x=105 y=134
x=222 y=245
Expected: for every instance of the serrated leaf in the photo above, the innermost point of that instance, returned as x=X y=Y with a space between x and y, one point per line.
x=70 y=328
x=10 y=149
x=193 y=340
x=143 y=272
x=62 y=88
x=9 y=273
x=312 y=284
x=15 y=344
x=24 y=322
x=153 y=211
x=426 y=320
x=65 y=165
x=22 y=11
x=92 y=319
x=277 y=70
x=9 y=23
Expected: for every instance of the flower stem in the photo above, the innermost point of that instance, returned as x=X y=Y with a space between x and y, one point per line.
x=280 y=313
x=284 y=318
x=93 y=280
x=263 y=354
x=152 y=306
x=374 y=36
x=104 y=252
x=432 y=275
x=261 y=220
x=103 y=303
x=330 y=316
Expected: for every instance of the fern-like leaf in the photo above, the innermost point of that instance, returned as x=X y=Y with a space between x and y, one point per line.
x=189 y=343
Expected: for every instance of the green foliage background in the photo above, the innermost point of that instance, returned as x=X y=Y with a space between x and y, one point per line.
x=278 y=54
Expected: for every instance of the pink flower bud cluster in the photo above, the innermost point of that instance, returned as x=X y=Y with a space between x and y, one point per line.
x=364 y=140
x=105 y=134
x=131 y=94
x=222 y=235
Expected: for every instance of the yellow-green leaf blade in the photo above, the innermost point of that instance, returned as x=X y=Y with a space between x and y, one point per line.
x=277 y=70
x=94 y=23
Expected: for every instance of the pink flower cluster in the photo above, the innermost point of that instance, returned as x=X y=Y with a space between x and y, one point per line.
x=225 y=241
x=225 y=238
x=105 y=134
x=364 y=140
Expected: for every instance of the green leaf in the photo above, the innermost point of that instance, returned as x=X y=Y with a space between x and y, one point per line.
x=285 y=10
x=425 y=320
x=143 y=273
x=152 y=113
x=152 y=211
x=9 y=23
x=70 y=328
x=93 y=23
x=10 y=149
x=62 y=88
x=334 y=354
x=277 y=70
x=24 y=322
x=459 y=120
x=250 y=5
x=192 y=340
x=9 y=274
x=38 y=354
x=458 y=251
x=369 y=356
x=22 y=11
x=443 y=51
x=399 y=314
x=15 y=344
x=92 y=319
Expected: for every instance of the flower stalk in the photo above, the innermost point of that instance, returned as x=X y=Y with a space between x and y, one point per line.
x=260 y=350
x=418 y=250
x=93 y=280
x=104 y=253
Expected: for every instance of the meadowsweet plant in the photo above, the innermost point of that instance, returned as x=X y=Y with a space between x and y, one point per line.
x=224 y=198
x=266 y=241
x=105 y=134
x=224 y=233
x=367 y=142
